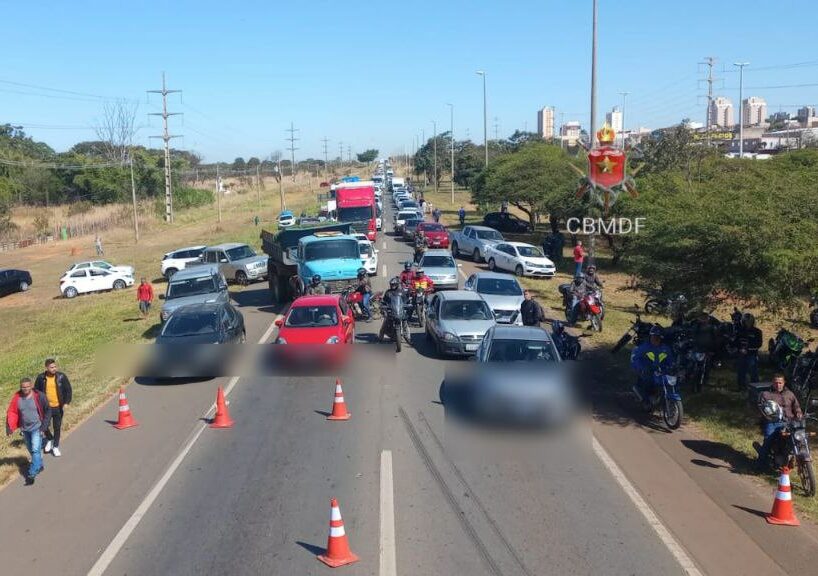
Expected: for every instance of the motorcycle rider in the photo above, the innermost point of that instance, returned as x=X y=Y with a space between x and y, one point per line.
x=650 y=357
x=577 y=292
x=365 y=288
x=778 y=406
x=407 y=274
x=387 y=299
x=749 y=340
x=316 y=287
x=593 y=281
x=420 y=281
x=420 y=246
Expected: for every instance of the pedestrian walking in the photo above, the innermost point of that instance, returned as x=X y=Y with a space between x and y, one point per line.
x=436 y=214
x=29 y=412
x=98 y=246
x=144 y=295
x=579 y=258
x=461 y=215
x=531 y=311
x=57 y=390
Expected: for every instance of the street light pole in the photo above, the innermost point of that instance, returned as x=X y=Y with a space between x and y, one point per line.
x=624 y=95
x=485 y=117
x=451 y=136
x=741 y=66
x=434 y=140
x=592 y=134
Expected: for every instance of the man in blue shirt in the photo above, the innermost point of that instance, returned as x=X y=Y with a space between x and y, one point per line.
x=650 y=357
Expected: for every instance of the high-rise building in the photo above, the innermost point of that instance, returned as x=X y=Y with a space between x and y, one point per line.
x=614 y=120
x=755 y=111
x=721 y=112
x=571 y=132
x=805 y=115
x=545 y=123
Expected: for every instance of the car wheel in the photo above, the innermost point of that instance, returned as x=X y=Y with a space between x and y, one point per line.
x=24 y=286
x=454 y=249
x=492 y=264
x=119 y=284
x=519 y=271
x=241 y=278
x=170 y=272
x=243 y=338
x=70 y=292
x=476 y=256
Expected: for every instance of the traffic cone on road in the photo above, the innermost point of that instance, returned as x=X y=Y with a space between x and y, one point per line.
x=338 y=552
x=783 y=512
x=339 y=407
x=222 y=419
x=125 y=419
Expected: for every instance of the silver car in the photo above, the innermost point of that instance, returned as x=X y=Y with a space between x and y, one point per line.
x=237 y=262
x=197 y=285
x=502 y=292
x=441 y=268
x=457 y=321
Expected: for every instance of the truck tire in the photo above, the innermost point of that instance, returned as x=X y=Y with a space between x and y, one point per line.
x=476 y=256
x=455 y=252
x=273 y=284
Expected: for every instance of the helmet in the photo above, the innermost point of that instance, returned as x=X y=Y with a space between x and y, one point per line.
x=316 y=279
x=407 y=265
x=418 y=271
x=361 y=272
x=591 y=268
x=748 y=320
x=578 y=278
x=772 y=411
x=656 y=330
x=393 y=283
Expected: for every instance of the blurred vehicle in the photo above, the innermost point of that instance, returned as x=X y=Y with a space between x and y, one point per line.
x=324 y=319
x=502 y=292
x=102 y=265
x=409 y=227
x=237 y=262
x=456 y=322
x=505 y=222
x=84 y=280
x=286 y=218
x=309 y=220
x=205 y=323
x=197 y=285
x=174 y=261
x=436 y=234
x=441 y=268
x=13 y=280
x=473 y=240
x=521 y=258
x=369 y=254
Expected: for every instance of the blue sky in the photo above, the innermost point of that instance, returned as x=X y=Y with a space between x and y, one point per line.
x=377 y=74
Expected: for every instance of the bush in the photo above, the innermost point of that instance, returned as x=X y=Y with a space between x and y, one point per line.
x=41 y=223
x=185 y=197
x=79 y=207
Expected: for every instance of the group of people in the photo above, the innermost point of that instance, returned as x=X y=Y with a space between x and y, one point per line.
x=37 y=410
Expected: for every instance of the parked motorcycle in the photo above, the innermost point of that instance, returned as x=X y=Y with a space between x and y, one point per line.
x=567 y=345
x=395 y=323
x=790 y=448
x=664 y=396
x=638 y=332
x=784 y=349
x=694 y=364
x=590 y=307
x=804 y=376
x=672 y=306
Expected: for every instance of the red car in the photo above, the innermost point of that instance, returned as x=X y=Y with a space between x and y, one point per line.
x=436 y=234
x=316 y=320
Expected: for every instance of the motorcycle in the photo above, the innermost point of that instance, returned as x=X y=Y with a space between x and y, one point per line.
x=417 y=302
x=590 y=307
x=784 y=349
x=671 y=306
x=395 y=325
x=694 y=364
x=567 y=345
x=804 y=374
x=638 y=332
x=664 y=396
x=790 y=448
x=355 y=301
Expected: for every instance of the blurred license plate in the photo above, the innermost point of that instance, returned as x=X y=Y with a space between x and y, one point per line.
x=435 y=242
x=471 y=347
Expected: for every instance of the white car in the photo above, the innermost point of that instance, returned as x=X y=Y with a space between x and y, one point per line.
x=85 y=280
x=369 y=254
x=286 y=219
x=174 y=261
x=402 y=216
x=102 y=264
x=521 y=258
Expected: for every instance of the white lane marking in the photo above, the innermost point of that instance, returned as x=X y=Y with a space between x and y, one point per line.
x=383 y=244
x=383 y=270
x=664 y=534
x=388 y=563
x=110 y=553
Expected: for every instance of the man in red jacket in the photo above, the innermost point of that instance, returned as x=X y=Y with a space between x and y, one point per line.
x=144 y=294
x=29 y=411
x=579 y=258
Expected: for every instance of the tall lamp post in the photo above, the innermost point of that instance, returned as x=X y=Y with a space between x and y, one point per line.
x=741 y=66
x=592 y=135
x=485 y=117
x=434 y=140
x=451 y=136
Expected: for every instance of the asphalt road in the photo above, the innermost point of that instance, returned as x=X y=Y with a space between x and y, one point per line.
x=418 y=495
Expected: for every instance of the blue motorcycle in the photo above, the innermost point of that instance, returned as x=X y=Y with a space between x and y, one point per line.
x=664 y=395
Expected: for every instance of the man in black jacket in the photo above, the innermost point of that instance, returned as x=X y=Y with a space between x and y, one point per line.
x=531 y=311
x=749 y=339
x=57 y=389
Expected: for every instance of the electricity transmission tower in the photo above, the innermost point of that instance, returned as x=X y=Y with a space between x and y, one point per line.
x=166 y=136
x=292 y=140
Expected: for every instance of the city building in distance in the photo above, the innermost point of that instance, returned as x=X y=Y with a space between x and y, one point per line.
x=614 y=120
x=721 y=112
x=755 y=111
x=545 y=123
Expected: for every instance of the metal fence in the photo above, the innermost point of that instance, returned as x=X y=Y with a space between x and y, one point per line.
x=65 y=230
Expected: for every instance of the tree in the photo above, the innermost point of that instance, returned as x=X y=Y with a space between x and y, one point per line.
x=116 y=129
x=239 y=164
x=253 y=162
x=367 y=155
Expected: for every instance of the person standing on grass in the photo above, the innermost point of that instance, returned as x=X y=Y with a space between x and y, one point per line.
x=436 y=214
x=57 y=389
x=531 y=311
x=29 y=412
x=461 y=214
x=98 y=246
x=144 y=295
x=579 y=258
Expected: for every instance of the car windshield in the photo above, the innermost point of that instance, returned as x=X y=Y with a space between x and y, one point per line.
x=465 y=310
x=355 y=214
x=529 y=251
x=331 y=249
x=312 y=317
x=188 y=325
x=366 y=249
x=521 y=351
x=240 y=252
x=499 y=287
x=409 y=204
x=438 y=262
x=489 y=235
x=191 y=287
x=405 y=215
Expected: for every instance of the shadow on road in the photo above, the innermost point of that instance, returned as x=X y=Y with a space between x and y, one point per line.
x=759 y=513
x=255 y=298
x=311 y=548
x=736 y=461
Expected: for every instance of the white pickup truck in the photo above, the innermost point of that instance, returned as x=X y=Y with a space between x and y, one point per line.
x=473 y=240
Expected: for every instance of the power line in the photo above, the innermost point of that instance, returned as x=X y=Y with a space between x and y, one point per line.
x=292 y=140
x=166 y=137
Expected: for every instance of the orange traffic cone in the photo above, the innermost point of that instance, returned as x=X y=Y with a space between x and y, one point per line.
x=338 y=552
x=782 y=506
x=125 y=418
x=222 y=419
x=339 y=407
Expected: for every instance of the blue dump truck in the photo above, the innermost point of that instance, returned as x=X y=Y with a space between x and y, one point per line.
x=297 y=253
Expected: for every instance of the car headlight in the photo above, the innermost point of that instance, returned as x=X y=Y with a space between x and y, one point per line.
x=333 y=340
x=280 y=340
x=449 y=337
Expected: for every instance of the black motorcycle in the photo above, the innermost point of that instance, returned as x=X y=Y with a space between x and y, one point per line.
x=661 y=305
x=639 y=332
x=567 y=344
x=804 y=376
x=693 y=363
x=417 y=306
x=790 y=448
x=784 y=349
x=395 y=323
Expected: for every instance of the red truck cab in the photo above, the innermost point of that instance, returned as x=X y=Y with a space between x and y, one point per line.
x=355 y=205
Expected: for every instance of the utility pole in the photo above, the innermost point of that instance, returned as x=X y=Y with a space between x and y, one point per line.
x=451 y=136
x=133 y=197
x=485 y=117
x=219 y=191
x=708 y=61
x=592 y=135
x=562 y=124
x=349 y=153
x=624 y=95
x=741 y=66
x=167 y=138
x=292 y=140
x=341 y=154
x=434 y=126
x=326 y=162
x=496 y=128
